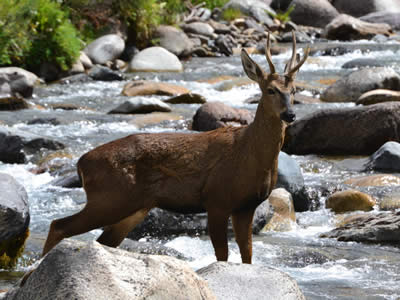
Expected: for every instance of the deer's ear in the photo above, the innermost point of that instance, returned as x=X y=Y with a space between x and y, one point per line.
x=251 y=68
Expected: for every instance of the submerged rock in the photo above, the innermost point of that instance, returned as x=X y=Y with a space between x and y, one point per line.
x=188 y=98
x=141 y=106
x=374 y=180
x=362 y=63
x=244 y=281
x=350 y=200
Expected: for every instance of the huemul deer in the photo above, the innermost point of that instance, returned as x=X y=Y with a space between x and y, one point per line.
x=225 y=172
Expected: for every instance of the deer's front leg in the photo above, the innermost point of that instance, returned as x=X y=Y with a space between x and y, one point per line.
x=217 y=228
x=242 y=225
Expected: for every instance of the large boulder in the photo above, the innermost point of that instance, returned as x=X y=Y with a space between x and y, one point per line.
x=361 y=8
x=388 y=17
x=14 y=219
x=155 y=59
x=386 y=158
x=141 y=106
x=106 y=48
x=77 y=270
x=382 y=228
x=244 y=281
x=350 y=200
x=257 y=9
x=17 y=81
x=348 y=28
x=213 y=115
x=350 y=87
x=317 y=13
x=147 y=88
x=378 y=96
x=357 y=130
x=199 y=28
x=174 y=40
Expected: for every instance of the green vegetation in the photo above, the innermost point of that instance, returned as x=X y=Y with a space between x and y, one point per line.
x=11 y=250
x=231 y=14
x=283 y=17
x=211 y=4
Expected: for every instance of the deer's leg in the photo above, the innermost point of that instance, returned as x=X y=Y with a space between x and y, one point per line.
x=114 y=234
x=217 y=227
x=242 y=225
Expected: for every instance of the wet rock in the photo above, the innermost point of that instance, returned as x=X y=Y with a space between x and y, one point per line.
x=70 y=181
x=257 y=9
x=150 y=248
x=174 y=40
x=104 y=74
x=65 y=106
x=386 y=158
x=106 y=48
x=262 y=215
x=12 y=103
x=51 y=121
x=141 y=106
x=304 y=258
x=155 y=59
x=109 y=273
x=214 y=115
x=229 y=84
x=389 y=17
x=329 y=50
x=284 y=217
x=357 y=130
x=378 y=96
x=77 y=78
x=350 y=200
x=350 y=87
x=301 y=37
x=317 y=13
x=199 y=28
x=347 y=28
x=146 y=88
x=245 y=281
x=188 y=98
x=362 y=63
x=17 y=82
x=358 y=9
x=382 y=228
x=390 y=202
x=374 y=180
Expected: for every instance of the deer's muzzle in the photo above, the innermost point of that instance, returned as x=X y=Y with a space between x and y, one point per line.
x=288 y=116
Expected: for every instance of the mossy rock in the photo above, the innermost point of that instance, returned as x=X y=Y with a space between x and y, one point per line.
x=11 y=250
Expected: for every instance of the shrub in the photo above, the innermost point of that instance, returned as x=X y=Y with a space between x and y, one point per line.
x=230 y=14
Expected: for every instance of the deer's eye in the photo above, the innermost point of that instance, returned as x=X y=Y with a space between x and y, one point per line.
x=271 y=91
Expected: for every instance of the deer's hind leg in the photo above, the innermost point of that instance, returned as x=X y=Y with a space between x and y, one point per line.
x=114 y=234
x=242 y=224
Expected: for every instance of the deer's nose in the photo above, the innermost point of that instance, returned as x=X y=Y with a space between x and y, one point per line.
x=288 y=116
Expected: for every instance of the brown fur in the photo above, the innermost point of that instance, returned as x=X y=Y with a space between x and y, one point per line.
x=225 y=172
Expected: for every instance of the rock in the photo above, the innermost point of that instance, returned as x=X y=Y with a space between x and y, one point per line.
x=77 y=68
x=104 y=74
x=188 y=98
x=227 y=85
x=109 y=273
x=301 y=37
x=77 y=78
x=14 y=220
x=155 y=59
x=85 y=60
x=347 y=28
x=106 y=48
x=174 y=40
x=280 y=5
x=357 y=130
x=70 y=181
x=244 y=281
x=378 y=96
x=382 y=228
x=362 y=63
x=257 y=9
x=388 y=17
x=317 y=13
x=12 y=103
x=390 y=202
x=51 y=121
x=358 y=9
x=146 y=88
x=199 y=28
x=212 y=115
x=31 y=78
x=350 y=200
x=219 y=28
x=155 y=118
x=284 y=217
x=17 y=82
x=350 y=87
x=386 y=158
x=141 y=106
x=152 y=248
x=374 y=180
x=262 y=215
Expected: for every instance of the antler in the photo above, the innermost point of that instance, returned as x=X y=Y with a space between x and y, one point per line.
x=268 y=55
x=292 y=70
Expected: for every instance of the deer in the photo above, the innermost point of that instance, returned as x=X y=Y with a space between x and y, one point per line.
x=226 y=172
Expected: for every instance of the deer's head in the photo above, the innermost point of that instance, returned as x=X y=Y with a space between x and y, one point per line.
x=277 y=90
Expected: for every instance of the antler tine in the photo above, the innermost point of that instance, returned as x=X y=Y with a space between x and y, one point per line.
x=293 y=71
x=293 y=59
x=268 y=55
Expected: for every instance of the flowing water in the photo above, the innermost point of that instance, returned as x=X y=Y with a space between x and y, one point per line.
x=324 y=268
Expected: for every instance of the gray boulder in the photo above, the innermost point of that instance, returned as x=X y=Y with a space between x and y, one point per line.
x=77 y=270
x=17 y=81
x=382 y=228
x=14 y=209
x=362 y=63
x=361 y=8
x=350 y=87
x=102 y=73
x=257 y=9
x=141 y=106
x=317 y=13
x=156 y=59
x=358 y=130
x=174 y=40
x=199 y=28
x=348 y=28
x=244 y=281
x=388 y=17
x=106 y=48
x=386 y=158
